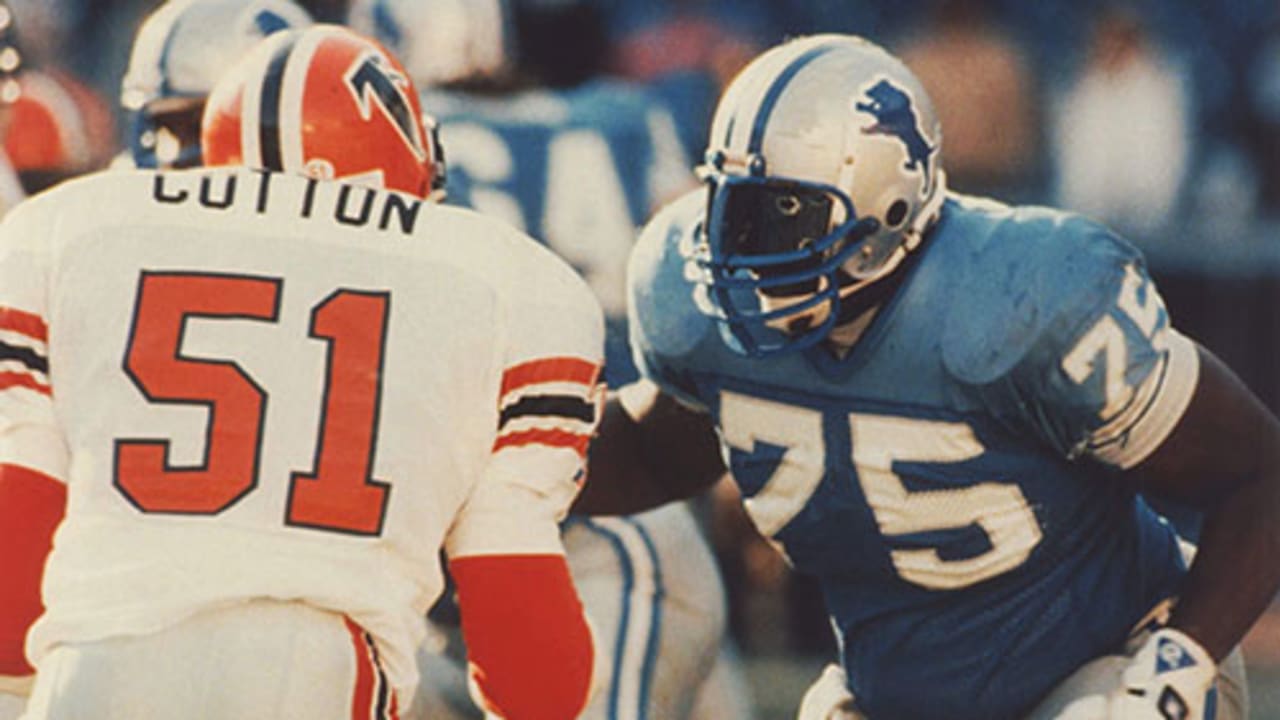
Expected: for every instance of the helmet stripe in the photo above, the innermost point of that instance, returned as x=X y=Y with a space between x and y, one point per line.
x=250 y=99
x=775 y=91
x=292 y=153
x=269 y=110
x=166 y=52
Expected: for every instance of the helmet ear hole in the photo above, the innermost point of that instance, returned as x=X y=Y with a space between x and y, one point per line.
x=896 y=215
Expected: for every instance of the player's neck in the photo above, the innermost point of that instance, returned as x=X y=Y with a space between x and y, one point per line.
x=844 y=336
x=859 y=309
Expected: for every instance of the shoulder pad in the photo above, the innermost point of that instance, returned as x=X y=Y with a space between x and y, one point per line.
x=661 y=300
x=1019 y=273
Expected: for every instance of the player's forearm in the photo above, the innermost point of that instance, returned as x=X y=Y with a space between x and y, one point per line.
x=619 y=480
x=637 y=464
x=1236 y=572
x=529 y=646
x=31 y=506
x=1224 y=458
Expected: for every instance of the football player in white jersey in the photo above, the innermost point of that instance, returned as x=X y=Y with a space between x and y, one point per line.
x=273 y=394
x=176 y=59
x=580 y=164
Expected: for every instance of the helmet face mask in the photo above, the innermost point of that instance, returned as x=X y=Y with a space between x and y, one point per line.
x=772 y=251
x=822 y=175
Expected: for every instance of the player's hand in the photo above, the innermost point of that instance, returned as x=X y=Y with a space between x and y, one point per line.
x=1168 y=678
x=828 y=698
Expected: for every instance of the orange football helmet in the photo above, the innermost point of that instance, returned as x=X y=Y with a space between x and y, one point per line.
x=328 y=103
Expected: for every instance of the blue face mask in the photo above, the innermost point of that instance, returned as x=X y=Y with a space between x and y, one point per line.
x=771 y=238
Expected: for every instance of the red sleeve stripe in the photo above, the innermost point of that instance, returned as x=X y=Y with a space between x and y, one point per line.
x=577 y=442
x=10 y=380
x=25 y=323
x=556 y=369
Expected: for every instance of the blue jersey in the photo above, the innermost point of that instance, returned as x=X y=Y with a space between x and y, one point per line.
x=579 y=170
x=951 y=481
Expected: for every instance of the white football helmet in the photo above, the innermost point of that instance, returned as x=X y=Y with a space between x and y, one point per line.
x=178 y=55
x=824 y=171
x=439 y=41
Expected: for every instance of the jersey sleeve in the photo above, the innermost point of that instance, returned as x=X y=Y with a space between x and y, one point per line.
x=1108 y=377
x=548 y=399
x=29 y=434
x=33 y=456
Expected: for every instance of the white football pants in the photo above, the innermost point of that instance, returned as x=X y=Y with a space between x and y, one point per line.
x=258 y=659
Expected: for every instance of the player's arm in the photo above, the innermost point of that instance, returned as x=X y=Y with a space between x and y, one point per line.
x=529 y=648
x=1223 y=457
x=31 y=505
x=529 y=645
x=657 y=443
x=1115 y=382
x=32 y=450
x=651 y=449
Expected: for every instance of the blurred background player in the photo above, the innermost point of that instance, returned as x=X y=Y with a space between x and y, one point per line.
x=251 y=563
x=11 y=192
x=537 y=137
x=53 y=126
x=180 y=51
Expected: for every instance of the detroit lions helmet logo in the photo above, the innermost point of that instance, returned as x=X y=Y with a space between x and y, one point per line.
x=896 y=117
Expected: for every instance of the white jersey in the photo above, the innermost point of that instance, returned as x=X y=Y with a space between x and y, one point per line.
x=260 y=385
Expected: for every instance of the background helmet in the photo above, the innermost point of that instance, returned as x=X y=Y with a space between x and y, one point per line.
x=178 y=55
x=823 y=168
x=439 y=41
x=324 y=102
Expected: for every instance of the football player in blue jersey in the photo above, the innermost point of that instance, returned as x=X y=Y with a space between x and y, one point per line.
x=579 y=162
x=947 y=410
